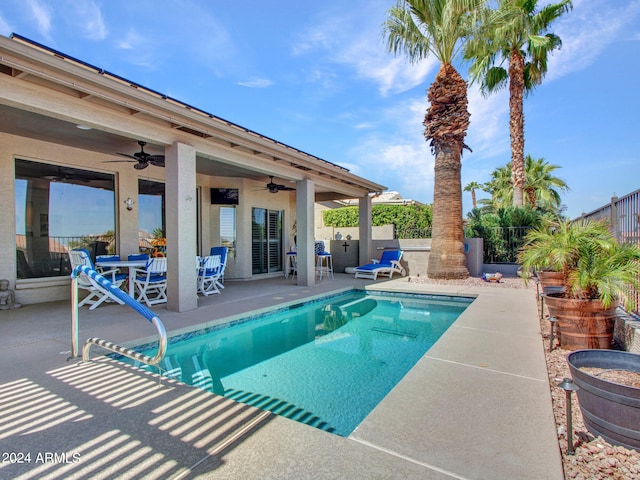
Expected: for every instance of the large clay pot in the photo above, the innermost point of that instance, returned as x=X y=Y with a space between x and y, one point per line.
x=609 y=409
x=581 y=323
x=550 y=279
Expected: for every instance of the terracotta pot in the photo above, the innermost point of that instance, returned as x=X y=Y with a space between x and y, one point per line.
x=550 y=279
x=608 y=409
x=581 y=324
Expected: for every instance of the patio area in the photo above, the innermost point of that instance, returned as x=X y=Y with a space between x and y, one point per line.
x=476 y=406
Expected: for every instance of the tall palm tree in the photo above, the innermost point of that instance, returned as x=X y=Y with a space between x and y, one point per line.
x=515 y=33
x=472 y=187
x=418 y=28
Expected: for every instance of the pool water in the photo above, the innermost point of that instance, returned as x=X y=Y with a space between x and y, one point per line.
x=324 y=363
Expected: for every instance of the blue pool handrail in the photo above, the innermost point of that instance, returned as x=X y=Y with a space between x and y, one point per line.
x=113 y=291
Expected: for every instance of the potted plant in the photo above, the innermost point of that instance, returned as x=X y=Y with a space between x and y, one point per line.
x=597 y=274
x=543 y=254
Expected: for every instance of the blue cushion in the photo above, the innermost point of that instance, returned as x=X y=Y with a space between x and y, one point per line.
x=155 y=278
x=374 y=266
x=138 y=256
x=107 y=258
x=389 y=255
x=222 y=251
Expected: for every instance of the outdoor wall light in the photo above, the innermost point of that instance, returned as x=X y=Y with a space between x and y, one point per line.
x=129 y=203
x=568 y=386
x=83 y=127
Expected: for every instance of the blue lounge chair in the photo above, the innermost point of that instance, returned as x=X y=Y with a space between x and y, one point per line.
x=389 y=263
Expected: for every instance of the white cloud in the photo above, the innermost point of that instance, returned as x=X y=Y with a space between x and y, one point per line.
x=256 y=83
x=587 y=31
x=349 y=39
x=141 y=50
x=396 y=153
x=392 y=74
x=42 y=15
x=5 y=28
x=488 y=133
x=87 y=16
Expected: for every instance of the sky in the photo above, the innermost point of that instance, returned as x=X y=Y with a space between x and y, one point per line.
x=317 y=76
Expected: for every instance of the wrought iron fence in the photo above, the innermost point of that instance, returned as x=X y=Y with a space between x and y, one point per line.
x=48 y=256
x=501 y=244
x=623 y=216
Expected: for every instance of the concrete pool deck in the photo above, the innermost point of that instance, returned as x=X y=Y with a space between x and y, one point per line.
x=476 y=406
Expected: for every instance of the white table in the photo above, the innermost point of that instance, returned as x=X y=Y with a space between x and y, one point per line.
x=132 y=265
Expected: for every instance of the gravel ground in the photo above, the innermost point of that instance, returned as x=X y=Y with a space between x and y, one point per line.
x=594 y=458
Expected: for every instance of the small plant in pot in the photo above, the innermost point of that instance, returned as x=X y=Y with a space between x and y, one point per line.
x=598 y=273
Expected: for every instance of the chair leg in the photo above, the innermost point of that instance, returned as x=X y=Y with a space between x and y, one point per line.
x=99 y=301
x=89 y=299
x=209 y=286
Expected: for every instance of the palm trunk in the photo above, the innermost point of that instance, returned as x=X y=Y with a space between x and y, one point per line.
x=446 y=124
x=473 y=199
x=516 y=125
x=531 y=197
x=447 y=258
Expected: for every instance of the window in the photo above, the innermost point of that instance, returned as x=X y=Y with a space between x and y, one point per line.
x=152 y=226
x=266 y=236
x=228 y=230
x=59 y=208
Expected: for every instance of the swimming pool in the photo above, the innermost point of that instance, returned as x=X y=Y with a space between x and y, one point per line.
x=326 y=363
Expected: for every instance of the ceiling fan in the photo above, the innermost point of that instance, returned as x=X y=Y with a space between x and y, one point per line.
x=66 y=175
x=275 y=187
x=142 y=158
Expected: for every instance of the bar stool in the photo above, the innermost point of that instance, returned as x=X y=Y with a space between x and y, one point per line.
x=324 y=260
x=291 y=265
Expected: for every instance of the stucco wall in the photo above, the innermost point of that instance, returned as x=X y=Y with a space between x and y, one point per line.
x=252 y=194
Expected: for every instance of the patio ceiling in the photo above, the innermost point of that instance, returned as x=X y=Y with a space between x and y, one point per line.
x=39 y=127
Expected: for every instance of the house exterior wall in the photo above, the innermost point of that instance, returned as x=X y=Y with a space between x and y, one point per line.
x=44 y=95
x=252 y=194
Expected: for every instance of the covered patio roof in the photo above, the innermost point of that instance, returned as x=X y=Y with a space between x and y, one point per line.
x=45 y=94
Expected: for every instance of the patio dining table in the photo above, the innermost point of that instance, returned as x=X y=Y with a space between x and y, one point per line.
x=132 y=265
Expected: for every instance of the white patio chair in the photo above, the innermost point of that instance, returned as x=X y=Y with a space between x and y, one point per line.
x=223 y=252
x=151 y=283
x=209 y=275
x=97 y=294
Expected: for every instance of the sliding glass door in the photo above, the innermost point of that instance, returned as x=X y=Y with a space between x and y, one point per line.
x=266 y=236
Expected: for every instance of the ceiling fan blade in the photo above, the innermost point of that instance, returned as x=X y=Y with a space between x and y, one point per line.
x=128 y=156
x=157 y=160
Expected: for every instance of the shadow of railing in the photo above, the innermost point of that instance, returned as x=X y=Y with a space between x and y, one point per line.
x=119 y=422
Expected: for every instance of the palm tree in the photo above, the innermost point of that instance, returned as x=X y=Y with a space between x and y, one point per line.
x=541 y=186
x=418 y=28
x=472 y=187
x=500 y=187
x=515 y=33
